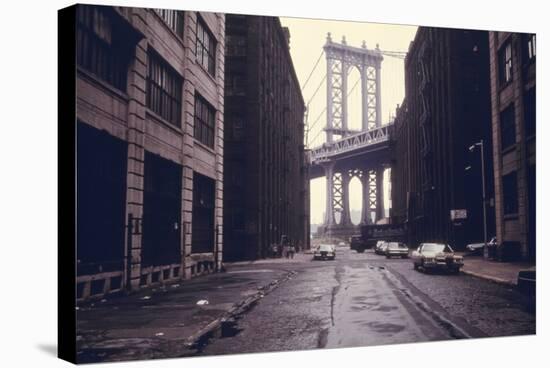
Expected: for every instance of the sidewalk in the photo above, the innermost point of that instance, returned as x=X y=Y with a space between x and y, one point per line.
x=171 y=321
x=300 y=257
x=505 y=273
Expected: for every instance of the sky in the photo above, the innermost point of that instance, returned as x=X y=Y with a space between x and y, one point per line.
x=307 y=37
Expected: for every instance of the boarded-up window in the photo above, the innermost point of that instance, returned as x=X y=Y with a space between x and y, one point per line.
x=510 y=193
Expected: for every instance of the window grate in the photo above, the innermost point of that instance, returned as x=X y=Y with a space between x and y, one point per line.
x=204 y=121
x=97 y=49
x=206 y=48
x=163 y=89
x=173 y=19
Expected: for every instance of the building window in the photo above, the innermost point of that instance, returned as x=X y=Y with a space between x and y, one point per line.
x=507 y=127
x=206 y=48
x=204 y=121
x=99 y=50
x=530 y=111
x=505 y=64
x=163 y=89
x=510 y=193
x=529 y=47
x=173 y=19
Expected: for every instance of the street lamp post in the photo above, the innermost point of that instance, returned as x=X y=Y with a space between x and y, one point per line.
x=472 y=147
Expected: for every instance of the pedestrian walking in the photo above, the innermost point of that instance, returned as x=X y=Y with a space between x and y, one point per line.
x=274 y=250
x=292 y=250
x=286 y=246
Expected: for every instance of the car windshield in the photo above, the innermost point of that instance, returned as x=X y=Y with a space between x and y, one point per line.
x=325 y=247
x=397 y=246
x=432 y=247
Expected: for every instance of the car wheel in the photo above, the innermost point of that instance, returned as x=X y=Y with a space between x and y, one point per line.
x=387 y=256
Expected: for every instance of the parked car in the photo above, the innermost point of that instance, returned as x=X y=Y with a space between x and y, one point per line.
x=436 y=256
x=397 y=249
x=478 y=247
x=324 y=251
x=356 y=243
x=380 y=247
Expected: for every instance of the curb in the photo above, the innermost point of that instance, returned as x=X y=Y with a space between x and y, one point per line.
x=496 y=280
x=195 y=341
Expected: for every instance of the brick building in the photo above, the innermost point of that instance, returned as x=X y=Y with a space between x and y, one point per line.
x=266 y=186
x=446 y=110
x=149 y=85
x=513 y=97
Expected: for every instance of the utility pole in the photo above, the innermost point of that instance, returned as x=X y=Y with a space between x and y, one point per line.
x=472 y=147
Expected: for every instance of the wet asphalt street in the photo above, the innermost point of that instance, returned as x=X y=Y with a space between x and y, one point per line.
x=365 y=300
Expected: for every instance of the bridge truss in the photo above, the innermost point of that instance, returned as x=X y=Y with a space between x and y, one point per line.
x=342 y=143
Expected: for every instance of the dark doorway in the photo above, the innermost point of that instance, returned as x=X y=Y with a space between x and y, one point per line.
x=161 y=244
x=101 y=197
x=204 y=190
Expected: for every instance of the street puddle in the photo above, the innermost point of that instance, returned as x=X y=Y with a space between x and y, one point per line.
x=390 y=328
x=229 y=329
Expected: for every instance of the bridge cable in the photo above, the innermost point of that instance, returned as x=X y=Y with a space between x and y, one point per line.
x=312 y=70
x=317 y=90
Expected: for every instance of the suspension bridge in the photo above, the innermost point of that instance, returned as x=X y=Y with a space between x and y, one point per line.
x=356 y=142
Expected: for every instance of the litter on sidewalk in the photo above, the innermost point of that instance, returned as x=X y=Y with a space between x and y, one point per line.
x=202 y=302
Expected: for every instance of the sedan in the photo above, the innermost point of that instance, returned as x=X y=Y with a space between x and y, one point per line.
x=325 y=251
x=395 y=249
x=430 y=256
x=380 y=247
x=478 y=247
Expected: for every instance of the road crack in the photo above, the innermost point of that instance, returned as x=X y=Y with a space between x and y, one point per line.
x=338 y=277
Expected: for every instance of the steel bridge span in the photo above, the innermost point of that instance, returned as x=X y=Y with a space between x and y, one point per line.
x=347 y=154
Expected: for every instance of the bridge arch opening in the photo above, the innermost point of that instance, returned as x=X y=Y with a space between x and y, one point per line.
x=354 y=98
x=317 y=203
x=355 y=200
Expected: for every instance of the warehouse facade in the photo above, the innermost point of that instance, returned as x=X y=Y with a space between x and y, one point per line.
x=446 y=111
x=513 y=97
x=266 y=186
x=149 y=146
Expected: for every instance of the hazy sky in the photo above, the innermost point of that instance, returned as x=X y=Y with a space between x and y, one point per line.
x=307 y=37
